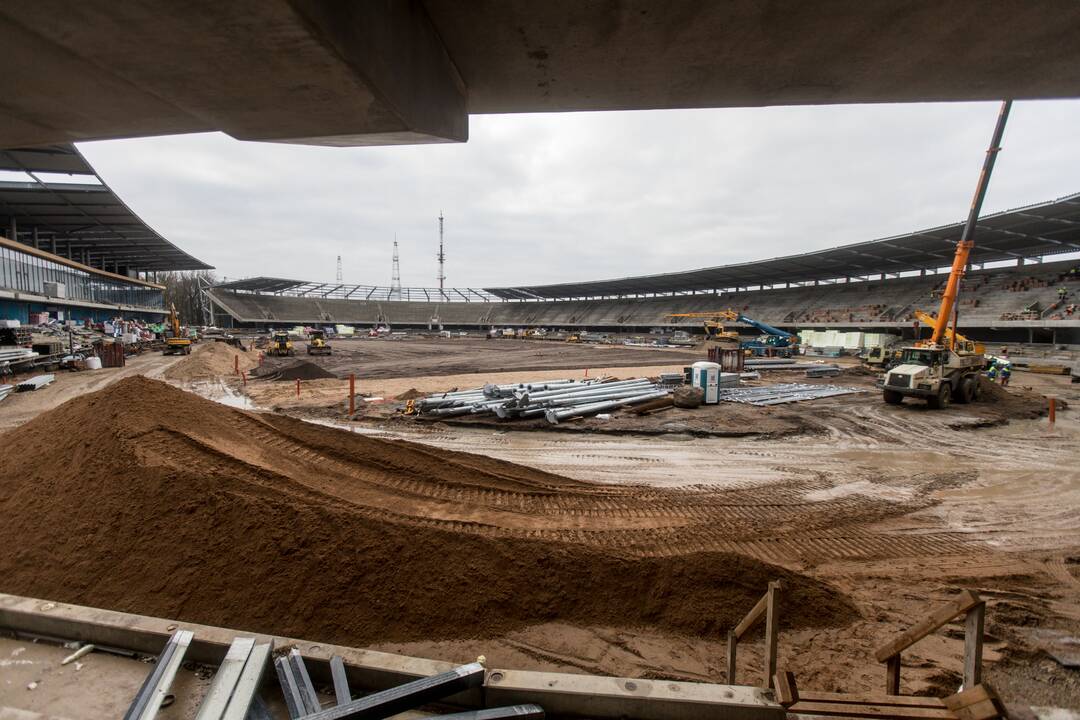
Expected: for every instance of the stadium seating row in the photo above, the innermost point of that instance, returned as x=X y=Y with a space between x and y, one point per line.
x=987 y=296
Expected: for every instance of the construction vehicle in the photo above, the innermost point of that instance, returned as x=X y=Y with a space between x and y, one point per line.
x=711 y=321
x=942 y=369
x=176 y=343
x=962 y=343
x=317 y=344
x=772 y=341
x=280 y=344
x=881 y=355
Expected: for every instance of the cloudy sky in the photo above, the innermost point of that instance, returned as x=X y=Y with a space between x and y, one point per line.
x=579 y=196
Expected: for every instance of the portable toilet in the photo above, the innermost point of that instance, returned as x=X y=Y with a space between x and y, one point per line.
x=706 y=375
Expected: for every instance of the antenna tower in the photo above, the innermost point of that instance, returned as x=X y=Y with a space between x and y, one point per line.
x=395 y=279
x=339 y=270
x=441 y=257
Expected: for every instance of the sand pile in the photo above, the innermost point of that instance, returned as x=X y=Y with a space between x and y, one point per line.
x=209 y=360
x=300 y=370
x=147 y=499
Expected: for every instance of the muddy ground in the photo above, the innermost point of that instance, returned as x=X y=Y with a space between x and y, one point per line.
x=894 y=508
x=408 y=356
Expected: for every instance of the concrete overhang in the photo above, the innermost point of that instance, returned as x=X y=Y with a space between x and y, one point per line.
x=407 y=71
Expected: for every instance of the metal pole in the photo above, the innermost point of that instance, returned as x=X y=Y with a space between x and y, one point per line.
x=352 y=393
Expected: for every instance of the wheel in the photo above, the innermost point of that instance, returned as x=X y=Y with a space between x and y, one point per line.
x=941 y=400
x=892 y=397
x=965 y=393
x=976 y=388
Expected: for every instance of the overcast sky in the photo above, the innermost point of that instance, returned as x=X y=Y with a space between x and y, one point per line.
x=581 y=196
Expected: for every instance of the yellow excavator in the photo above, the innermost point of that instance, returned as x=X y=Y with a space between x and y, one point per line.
x=176 y=343
x=714 y=328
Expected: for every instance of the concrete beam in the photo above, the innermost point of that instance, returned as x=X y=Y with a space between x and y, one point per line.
x=405 y=71
x=335 y=74
x=559 y=694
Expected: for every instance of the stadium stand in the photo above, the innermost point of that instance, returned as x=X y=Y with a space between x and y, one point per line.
x=1002 y=297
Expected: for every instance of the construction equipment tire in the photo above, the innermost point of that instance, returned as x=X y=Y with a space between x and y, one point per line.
x=942 y=399
x=965 y=392
x=893 y=397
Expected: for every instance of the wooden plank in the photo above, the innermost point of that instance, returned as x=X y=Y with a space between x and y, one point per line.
x=927 y=625
x=973 y=694
x=892 y=675
x=871 y=699
x=751 y=617
x=984 y=710
x=973 y=645
x=772 y=631
x=787 y=692
x=871 y=711
x=732 y=641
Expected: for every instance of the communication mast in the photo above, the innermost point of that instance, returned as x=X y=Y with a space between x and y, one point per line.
x=339 y=281
x=441 y=257
x=395 y=279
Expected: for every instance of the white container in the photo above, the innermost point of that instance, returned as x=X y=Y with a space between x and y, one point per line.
x=93 y=363
x=706 y=375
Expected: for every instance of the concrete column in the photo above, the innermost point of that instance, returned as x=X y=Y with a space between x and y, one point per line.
x=37 y=246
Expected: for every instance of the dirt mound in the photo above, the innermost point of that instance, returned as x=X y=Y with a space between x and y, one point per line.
x=1012 y=401
x=266 y=523
x=301 y=370
x=209 y=360
x=410 y=394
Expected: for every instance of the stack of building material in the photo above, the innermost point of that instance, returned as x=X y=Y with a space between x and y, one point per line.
x=823 y=371
x=35 y=383
x=15 y=355
x=555 y=400
x=784 y=393
x=6 y=390
x=775 y=364
x=728 y=379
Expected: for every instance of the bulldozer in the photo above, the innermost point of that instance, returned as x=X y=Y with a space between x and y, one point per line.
x=280 y=344
x=176 y=343
x=317 y=344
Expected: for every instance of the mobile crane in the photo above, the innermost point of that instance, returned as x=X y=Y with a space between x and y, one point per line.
x=942 y=370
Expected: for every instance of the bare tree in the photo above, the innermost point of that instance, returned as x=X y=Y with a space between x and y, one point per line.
x=182 y=290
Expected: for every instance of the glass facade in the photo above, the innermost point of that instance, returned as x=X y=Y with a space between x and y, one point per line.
x=23 y=272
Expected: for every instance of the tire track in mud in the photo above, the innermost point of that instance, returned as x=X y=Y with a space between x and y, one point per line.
x=777 y=524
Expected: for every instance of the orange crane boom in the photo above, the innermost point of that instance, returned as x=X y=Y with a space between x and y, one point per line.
x=963 y=248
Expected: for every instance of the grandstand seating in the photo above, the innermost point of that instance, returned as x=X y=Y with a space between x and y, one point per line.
x=987 y=297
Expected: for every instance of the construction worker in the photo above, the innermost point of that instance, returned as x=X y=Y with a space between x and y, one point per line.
x=1063 y=292
x=992 y=372
x=1006 y=371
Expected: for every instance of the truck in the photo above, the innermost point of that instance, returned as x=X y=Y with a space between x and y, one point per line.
x=936 y=374
x=317 y=344
x=945 y=369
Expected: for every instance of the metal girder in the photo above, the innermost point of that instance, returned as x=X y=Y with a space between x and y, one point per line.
x=406 y=697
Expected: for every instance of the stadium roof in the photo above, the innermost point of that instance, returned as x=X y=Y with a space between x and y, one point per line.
x=340 y=291
x=82 y=217
x=1039 y=230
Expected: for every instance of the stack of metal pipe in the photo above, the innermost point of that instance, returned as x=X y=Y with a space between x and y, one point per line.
x=555 y=400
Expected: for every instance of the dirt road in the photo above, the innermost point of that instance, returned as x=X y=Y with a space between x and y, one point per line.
x=378 y=358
